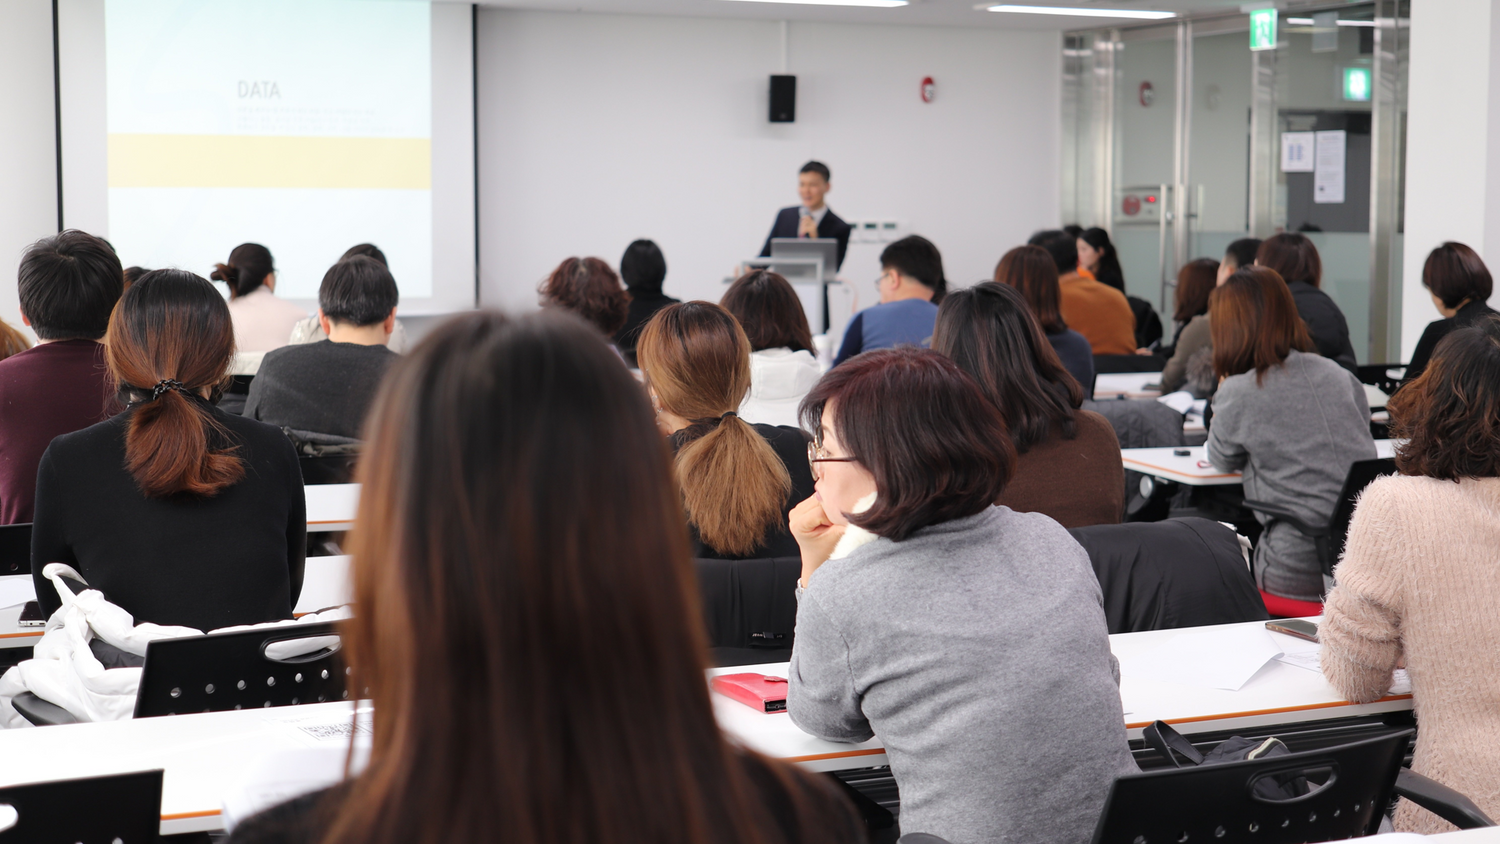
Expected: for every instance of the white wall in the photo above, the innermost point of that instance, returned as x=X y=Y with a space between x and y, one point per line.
x=1453 y=134
x=598 y=129
x=28 y=152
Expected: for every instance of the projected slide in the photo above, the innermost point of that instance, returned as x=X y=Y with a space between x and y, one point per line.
x=303 y=125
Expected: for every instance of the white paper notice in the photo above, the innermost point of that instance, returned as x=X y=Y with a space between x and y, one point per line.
x=1297 y=152
x=1328 y=175
x=1216 y=658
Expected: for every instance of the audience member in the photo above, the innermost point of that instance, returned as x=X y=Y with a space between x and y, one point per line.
x=521 y=568
x=1418 y=583
x=262 y=322
x=1292 y=422
x=1068 y=465
x=919 y=607
x=911 y=286
x=1240 y=253
x=1031 y=270
x=12 y=341
x=590 y=289
x=738 y=480
x=179 y=513
x=1195 y=281
x=1460 y=285
x=643 y=268
x=309 y=330
x=327 y=387
x=1097 y=311
x=782 y=364
x=133 y=274
x=68 y=284
x=1097 y=259
x=1296 y=260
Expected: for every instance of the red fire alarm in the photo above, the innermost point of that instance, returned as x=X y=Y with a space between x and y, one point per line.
x=929 y=89
x=1148 y=94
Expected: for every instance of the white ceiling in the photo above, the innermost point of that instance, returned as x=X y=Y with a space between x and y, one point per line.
x=960 y=13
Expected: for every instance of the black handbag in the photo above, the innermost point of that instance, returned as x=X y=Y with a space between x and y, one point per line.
x=1171 y=744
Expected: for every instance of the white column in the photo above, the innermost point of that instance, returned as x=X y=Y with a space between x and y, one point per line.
x=28 y=151
x=1452 y=141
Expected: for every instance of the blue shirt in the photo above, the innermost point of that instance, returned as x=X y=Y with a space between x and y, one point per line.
x=904 y=322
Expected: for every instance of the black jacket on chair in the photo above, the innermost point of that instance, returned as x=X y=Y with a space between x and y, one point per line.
x=749 y=608
x=1176 y=573
x=787 y=220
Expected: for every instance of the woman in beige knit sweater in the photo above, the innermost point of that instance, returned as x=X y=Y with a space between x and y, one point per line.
x=1419 y=583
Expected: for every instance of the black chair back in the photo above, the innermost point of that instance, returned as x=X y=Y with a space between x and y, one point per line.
x=1105 y=364
x=328 y=469
x=1175 y=573
x=1352 y=786
x=117 y=809
x=15 y=549
x=1378 y=375
x=750 y=608
x=1361 y=474
x=223 y=671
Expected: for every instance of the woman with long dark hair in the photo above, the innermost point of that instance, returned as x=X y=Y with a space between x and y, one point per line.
x=1097 y=256
x=177 y=511
x=783 y=363
x=528 y=623
x=738 y=480
x=1290 y=420
x=262 y=321
x=1069 y=459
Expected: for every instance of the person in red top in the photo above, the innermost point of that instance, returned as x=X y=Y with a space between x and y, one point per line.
x=68 y=284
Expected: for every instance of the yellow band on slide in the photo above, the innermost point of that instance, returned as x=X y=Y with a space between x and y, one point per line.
x=261 y=161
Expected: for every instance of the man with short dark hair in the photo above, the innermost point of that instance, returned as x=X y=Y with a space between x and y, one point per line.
x=68 y=285
x=327 y=387
x=911 y=286
x=1097 y=311
x=813 y=218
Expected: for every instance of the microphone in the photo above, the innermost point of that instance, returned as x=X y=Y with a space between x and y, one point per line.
x=805 y=213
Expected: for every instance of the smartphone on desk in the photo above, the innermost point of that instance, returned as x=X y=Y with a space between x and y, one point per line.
x=1294 y=627
x=31 y=615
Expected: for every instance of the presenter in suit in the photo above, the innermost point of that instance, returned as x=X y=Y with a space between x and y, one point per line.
x=812 y=218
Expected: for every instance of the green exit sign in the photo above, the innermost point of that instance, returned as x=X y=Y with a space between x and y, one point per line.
x=1357 y=84
x=1263 y=29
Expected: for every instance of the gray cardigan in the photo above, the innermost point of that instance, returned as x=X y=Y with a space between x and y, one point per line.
x=977 y=651
x=1294 y=437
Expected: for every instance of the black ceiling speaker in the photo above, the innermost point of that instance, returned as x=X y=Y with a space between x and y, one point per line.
x=783 y=99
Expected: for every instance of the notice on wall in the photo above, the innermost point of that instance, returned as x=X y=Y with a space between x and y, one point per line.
x=1328 y=174
x=1297 y=152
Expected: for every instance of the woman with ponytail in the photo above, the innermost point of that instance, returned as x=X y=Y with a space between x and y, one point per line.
x=262 y=322
x=178 y=512
x=738 y=480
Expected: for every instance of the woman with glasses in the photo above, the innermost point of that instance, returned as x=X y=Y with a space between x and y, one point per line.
x=969 y=638
x=738 y=480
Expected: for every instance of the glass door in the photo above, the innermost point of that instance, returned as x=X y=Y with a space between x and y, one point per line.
x=1145 y=129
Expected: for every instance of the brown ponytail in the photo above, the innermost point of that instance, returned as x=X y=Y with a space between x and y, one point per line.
x=169 y=338
x=697 y=358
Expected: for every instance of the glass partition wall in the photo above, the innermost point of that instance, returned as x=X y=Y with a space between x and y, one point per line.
x=1179 y=139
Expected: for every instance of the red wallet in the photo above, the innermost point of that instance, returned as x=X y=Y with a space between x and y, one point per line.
x=757 y=691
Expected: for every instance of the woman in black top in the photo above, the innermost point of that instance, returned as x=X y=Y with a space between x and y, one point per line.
x=643 y=269
x=1460 y=285
x=179 y=513
x=739 y=481
x=528 y=628
x=1294 y=257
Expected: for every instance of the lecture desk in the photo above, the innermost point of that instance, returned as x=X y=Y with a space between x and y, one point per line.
x=1147 y=385
x=205 y=755
x=1193 y=469
x=331 y=507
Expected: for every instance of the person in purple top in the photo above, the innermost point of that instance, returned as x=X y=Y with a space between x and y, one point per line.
x=911 y=287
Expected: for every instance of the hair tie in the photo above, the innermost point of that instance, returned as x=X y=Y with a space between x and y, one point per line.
x=727 y=414
x=165 y=385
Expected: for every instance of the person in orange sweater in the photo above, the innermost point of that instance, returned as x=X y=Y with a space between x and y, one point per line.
x=1418 y=585
x=1094 y=309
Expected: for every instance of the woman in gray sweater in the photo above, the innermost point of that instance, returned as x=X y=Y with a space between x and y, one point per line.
x=1291 y=420
x=970 y=639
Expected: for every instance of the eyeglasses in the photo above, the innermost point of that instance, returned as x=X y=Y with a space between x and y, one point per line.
x=816 y=454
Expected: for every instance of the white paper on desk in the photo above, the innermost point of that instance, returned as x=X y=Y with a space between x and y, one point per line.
x=14 y=592
x=281 y=775
x=1224 y=657
x=1400 y=680
x=1180 y=401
